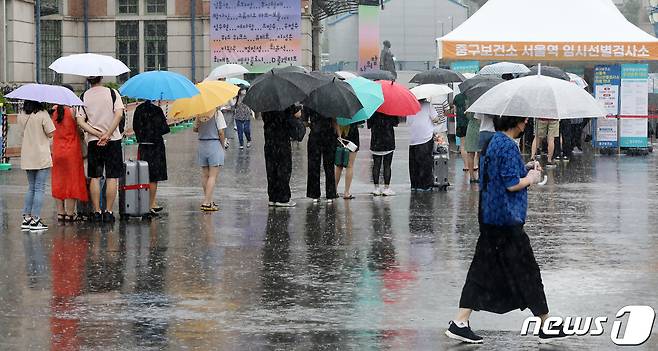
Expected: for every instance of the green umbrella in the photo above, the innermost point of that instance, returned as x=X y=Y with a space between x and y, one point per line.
x=369 y=94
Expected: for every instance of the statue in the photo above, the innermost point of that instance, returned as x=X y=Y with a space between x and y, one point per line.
x=386 y=62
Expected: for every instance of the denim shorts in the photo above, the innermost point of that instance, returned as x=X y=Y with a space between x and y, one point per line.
x=484 y=138
x=211 y=153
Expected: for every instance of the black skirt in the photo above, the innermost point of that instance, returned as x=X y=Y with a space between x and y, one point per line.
x=156 y=157
x=504 y=275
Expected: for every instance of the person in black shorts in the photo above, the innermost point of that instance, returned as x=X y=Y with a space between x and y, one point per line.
x=351 y=133
x=100 y=119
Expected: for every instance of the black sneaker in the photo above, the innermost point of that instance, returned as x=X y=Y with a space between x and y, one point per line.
x=108 y=217
x=26 y=222
x=96 y=217
x=464 y=334
x=36 y=224
x=545 y=338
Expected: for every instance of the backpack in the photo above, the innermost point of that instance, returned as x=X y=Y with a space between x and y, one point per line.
x=122 y=124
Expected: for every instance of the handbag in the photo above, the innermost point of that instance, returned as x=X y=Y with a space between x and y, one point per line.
x=342 y=158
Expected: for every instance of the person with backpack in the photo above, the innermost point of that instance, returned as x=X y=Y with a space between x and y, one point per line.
x=100 y=119
x=36 y=160
x=68 y=173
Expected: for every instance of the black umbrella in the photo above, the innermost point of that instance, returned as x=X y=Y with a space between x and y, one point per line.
x=278 y=89
x=549 y=71
x=480 y=88
x=378 y=74
x=334 y=99
x=438 y=76
x=471 y=82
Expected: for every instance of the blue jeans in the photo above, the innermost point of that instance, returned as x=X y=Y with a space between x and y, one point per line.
x=34 y=196
x=243 y=127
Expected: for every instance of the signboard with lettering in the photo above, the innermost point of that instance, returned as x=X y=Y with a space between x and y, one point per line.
x=465 y=66
x=634 y=102
x=607 y=79
x=368 y=38
x=259 y=34
x=548 y=51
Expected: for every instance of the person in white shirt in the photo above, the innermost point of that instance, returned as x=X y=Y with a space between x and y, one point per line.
x=421 y=146
x=487 y=129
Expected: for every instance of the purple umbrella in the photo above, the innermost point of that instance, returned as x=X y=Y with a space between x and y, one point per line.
x=53 y=94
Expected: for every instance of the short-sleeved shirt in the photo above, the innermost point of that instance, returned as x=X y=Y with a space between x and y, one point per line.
x=504 y=169
x=35 y=150
x=421 y=128
x=100 y=111
x=486 y=122
x=209 y=130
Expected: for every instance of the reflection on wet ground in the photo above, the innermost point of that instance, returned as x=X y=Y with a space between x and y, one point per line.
x=366 y=274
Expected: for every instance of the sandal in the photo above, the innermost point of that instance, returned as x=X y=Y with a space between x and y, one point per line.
x=61 y=217
x=157 y=208
x=348 y=197
x=209 y=207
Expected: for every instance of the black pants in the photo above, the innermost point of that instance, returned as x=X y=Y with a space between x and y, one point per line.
x=421 y=163
x=278 y=165
x=321 y=151
x=566 y=134
x=377 y=166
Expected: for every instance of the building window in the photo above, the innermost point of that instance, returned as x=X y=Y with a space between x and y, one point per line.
x=128 y=7
x=156 y=7
x=155 y=44
x=51 y=50
x=127 y=34
x=49 y=7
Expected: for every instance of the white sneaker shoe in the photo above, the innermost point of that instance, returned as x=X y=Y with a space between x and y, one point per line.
x=286 y=204
x=388 y=192
x=271 y=203
x=377 y=191
x=248 y=144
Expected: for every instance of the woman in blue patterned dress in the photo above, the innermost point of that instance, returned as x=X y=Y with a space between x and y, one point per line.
x=504 y=274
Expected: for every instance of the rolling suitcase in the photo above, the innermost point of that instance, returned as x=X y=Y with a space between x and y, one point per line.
x=134 y=190
x=440 y=171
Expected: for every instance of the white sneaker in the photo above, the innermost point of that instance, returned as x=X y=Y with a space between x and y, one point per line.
x=316 y=201
x=36 y=224
x=377 y=191
x=241 y=147
x=388 y=192
x=26 y=222
x=248 y=144
x=271 y=203
x=286 y=204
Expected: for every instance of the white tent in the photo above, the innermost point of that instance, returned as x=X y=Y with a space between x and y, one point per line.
x=548 y=30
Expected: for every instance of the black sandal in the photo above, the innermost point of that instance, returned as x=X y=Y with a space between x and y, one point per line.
x=61 y=217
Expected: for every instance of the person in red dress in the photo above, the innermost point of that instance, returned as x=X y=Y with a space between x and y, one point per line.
x=68 y=175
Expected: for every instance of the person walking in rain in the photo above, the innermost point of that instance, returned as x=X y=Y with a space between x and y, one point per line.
x=321 y=148
x=382 y=145
x=242 y=115
x=504 y=274
x=150 y=124
x=279 y=127
x=210 y=154
x=421 y=146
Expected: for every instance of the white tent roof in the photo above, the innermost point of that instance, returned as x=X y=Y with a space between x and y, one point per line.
x=546 y=22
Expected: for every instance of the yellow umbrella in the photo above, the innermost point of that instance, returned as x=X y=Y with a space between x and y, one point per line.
x=212 y=95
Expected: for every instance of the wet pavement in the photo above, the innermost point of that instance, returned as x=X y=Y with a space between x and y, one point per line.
x=366 y=274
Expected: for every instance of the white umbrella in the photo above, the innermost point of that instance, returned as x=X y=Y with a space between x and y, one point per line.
x=54 y=94
x=227 y=71
x=538 y=96
x=504 y=68
x=346 y=75
x=578 y=80
x=89 y=65
x=428 y=91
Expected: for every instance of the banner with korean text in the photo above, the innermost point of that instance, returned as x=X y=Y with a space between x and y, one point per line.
x=549 y=51
x=368 y=38
x=607 y=79
x=634 y=103
x=259 y=34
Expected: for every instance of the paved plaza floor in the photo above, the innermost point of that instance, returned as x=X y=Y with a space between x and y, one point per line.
x=366 y=274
